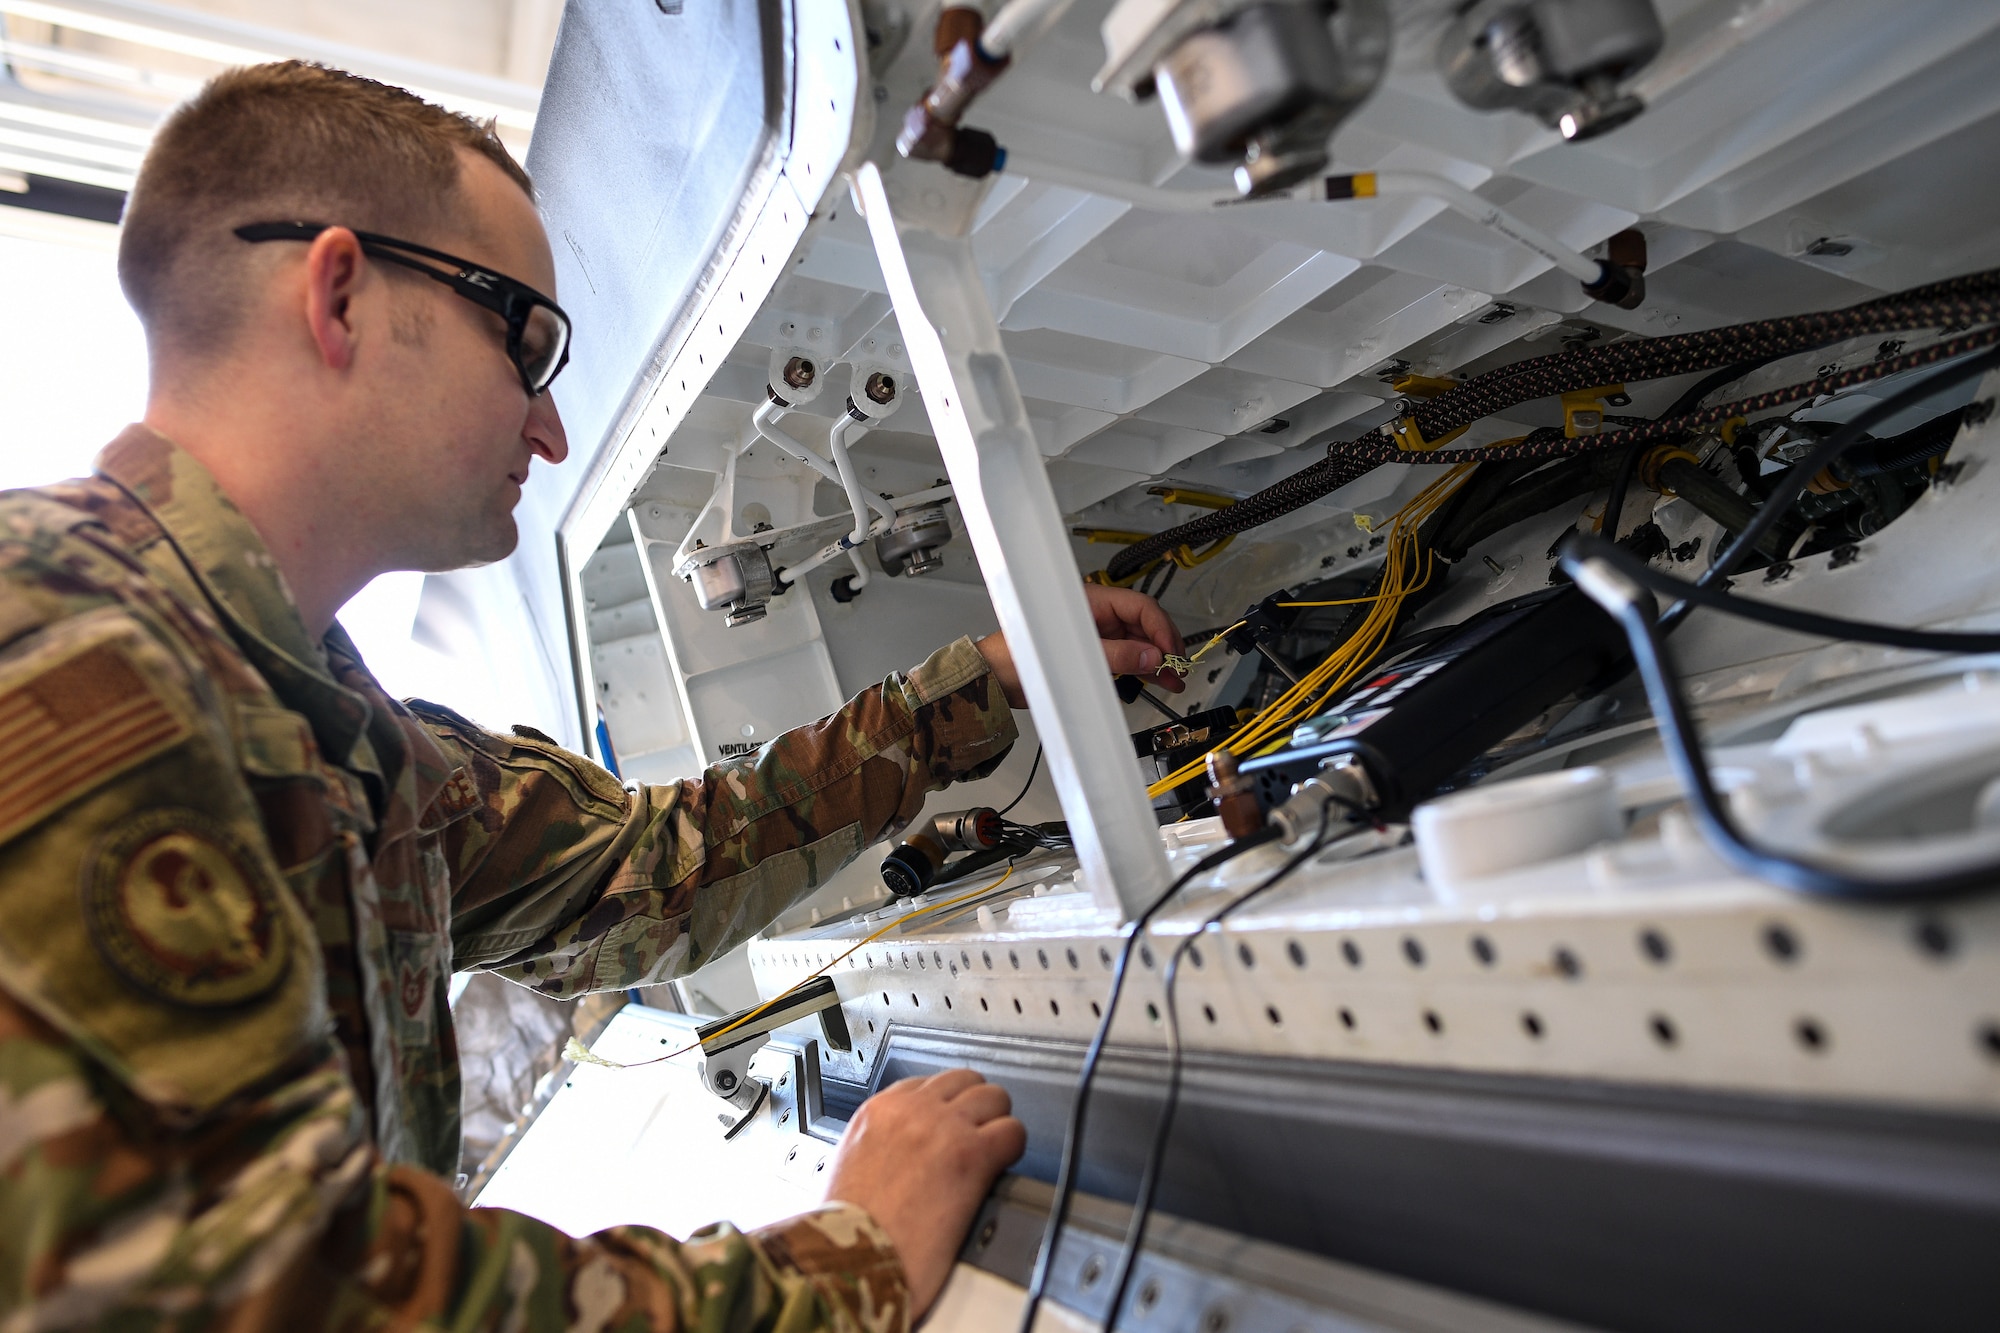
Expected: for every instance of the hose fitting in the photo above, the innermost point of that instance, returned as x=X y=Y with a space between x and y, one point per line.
x=1235 y=796
x=1341 y=782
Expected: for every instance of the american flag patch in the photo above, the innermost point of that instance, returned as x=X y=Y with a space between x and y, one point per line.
x=77 y=723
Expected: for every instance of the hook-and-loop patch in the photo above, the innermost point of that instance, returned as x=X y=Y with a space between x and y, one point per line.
x=182 y=907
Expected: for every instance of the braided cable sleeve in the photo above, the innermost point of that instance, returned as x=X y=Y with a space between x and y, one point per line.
x=1377 y=447
x=1683 y=354
x=1281 y=497
x=1955 y=302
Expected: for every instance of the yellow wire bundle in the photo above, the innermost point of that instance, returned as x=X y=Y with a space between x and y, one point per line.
x=1404 y=571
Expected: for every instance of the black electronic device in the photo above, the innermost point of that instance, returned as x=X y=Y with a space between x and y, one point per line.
x=1415 y=723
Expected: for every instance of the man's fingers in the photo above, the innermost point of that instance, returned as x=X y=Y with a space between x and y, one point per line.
x=1006 y=1139
x=952 y=1082
x=1158 y=626
x=1128 y=657
x=1123 y=613
x=988 y=1101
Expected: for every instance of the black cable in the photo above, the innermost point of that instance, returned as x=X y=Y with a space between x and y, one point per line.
x=1783 y=617
x=1065 y=1186
x=1634 y=610
x=1621 y=484
x=1690 y=399
x=1158 y=706
x=1052 y=837
x=1850 y=434
x=1149 y=1178
x=1033 y=769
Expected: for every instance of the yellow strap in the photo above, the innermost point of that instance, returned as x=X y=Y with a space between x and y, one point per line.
x=1118 y=535
x=1180 y=495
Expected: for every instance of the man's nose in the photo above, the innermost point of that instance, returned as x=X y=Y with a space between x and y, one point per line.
x=545 y=429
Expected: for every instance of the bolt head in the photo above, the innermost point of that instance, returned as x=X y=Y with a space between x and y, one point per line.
x=725 y=1080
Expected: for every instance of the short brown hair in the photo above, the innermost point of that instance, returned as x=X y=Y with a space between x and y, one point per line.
x=281 y=142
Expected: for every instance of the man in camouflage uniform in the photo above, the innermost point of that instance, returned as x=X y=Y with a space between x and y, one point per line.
x=235 y=876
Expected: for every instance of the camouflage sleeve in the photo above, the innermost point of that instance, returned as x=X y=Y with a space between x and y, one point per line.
x=567 y=882
x=274 y=1214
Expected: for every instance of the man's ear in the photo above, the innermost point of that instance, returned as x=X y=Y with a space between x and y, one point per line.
x=335 y=271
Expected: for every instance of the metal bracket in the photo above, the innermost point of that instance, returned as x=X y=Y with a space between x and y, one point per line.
x=729 y=1044
x=919 y=221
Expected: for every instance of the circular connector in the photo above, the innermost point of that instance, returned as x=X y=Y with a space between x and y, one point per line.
x=880 y=388
x=800 y=372
x=907 y=872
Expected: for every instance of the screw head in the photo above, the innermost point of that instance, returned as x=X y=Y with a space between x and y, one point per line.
x=725 y=1080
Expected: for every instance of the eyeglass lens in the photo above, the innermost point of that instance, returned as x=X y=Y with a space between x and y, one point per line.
x=543 y=340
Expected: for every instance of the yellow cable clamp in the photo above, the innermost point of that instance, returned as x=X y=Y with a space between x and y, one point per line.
x=1423 y=386
x=1583 y=409
x=1411 y=440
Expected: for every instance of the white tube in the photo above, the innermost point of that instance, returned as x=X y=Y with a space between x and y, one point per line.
x=1018 y=22
x=860 y=570
x=1491 y=216
x=832 y=550
x=857 y=499
x=1148 y=197
x=764 y=421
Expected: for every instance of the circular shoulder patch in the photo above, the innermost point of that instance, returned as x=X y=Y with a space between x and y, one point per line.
x=181 y=907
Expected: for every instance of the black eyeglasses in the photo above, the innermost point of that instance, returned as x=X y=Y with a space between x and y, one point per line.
x=537 y=328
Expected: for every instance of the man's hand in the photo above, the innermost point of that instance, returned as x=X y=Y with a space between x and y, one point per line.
x=920 y=1156
x=1137 y=636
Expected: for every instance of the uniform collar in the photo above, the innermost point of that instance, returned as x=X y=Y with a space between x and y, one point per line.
x=237 y=572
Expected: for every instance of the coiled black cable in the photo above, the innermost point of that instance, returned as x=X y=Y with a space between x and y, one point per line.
x=1615 y=582
x=1599 y=574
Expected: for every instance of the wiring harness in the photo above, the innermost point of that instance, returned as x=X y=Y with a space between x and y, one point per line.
x=1968 y=307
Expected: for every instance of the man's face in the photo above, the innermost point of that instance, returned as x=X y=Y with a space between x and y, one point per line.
x=457 y=431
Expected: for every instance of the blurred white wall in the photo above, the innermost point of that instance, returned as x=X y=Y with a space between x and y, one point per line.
x=72 y=361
